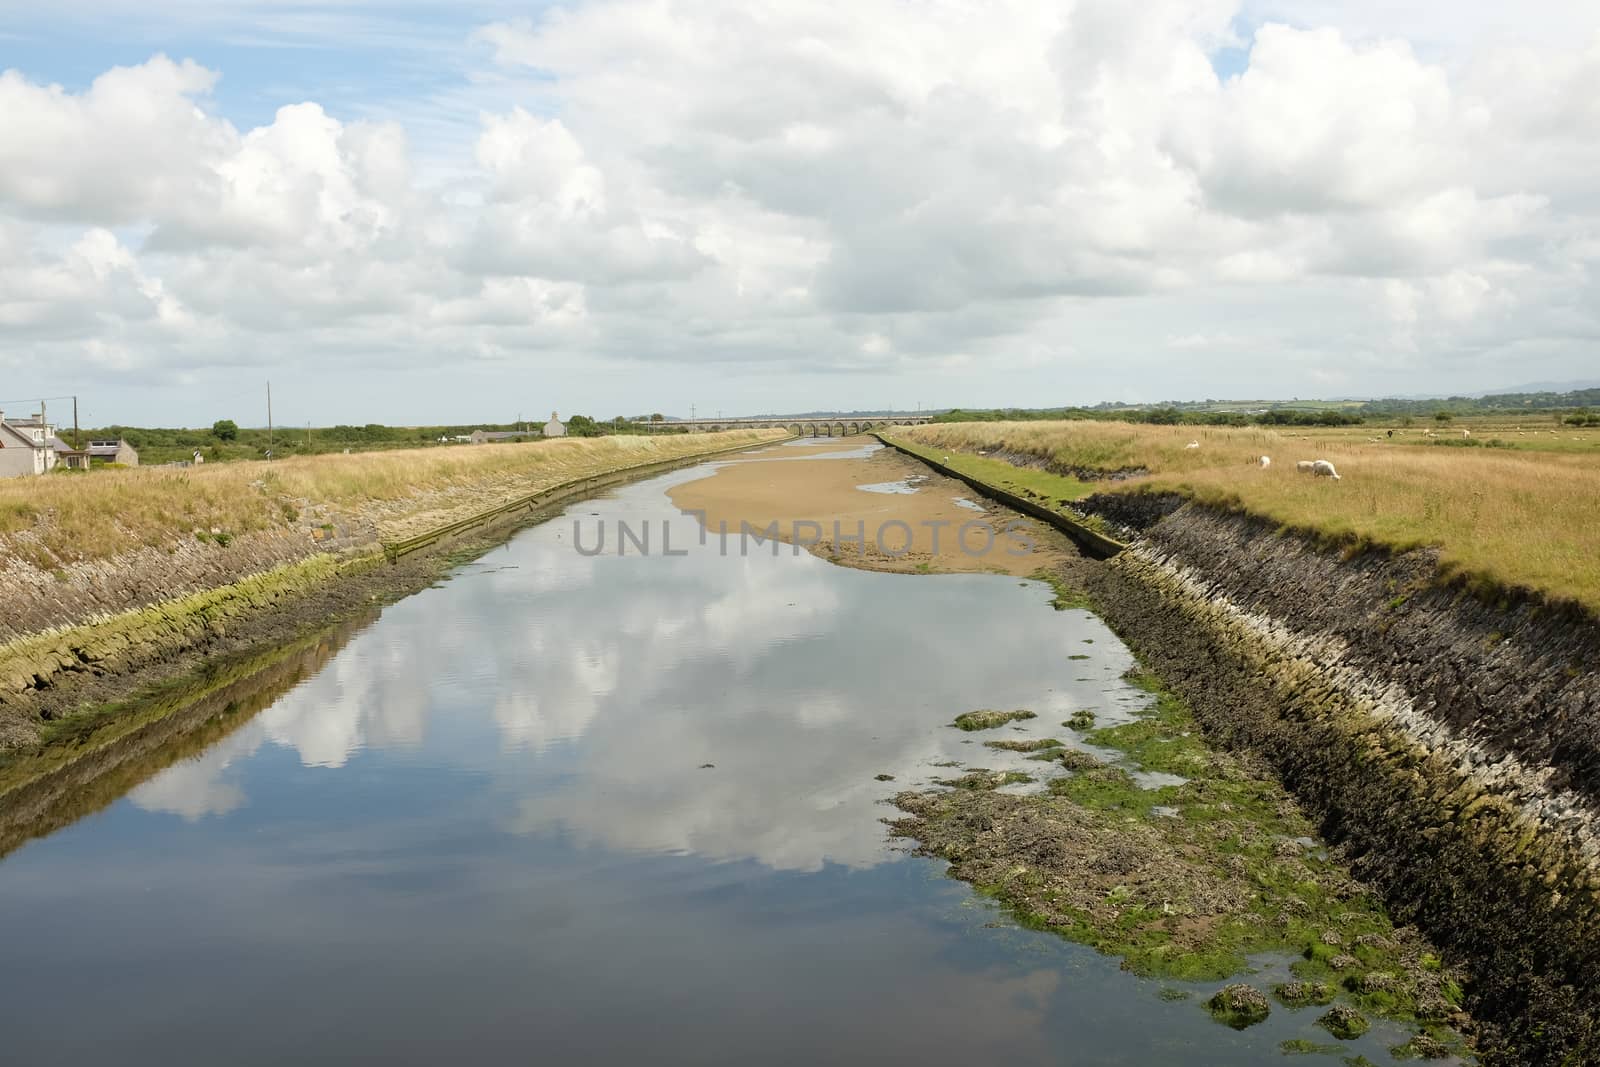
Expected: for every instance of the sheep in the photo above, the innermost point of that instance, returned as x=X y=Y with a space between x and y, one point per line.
x=1304 y=466
x=1265 y=461
x=1323 y=469
x=1466 y=433
x=1192 y=444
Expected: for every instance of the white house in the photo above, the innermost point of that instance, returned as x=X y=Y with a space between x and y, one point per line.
x=555 y=427
x=25 y=446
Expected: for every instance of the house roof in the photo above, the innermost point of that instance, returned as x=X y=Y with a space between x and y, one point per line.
x=11 y=437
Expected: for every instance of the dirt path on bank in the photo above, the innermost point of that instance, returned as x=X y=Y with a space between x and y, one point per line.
x=857 y=503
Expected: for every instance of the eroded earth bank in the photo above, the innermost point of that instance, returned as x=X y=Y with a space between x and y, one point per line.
x=1444 y=740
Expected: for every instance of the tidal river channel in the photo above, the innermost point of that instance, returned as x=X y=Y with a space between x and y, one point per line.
x=572 y=808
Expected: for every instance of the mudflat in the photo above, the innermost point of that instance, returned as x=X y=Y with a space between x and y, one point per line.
x=857 y=503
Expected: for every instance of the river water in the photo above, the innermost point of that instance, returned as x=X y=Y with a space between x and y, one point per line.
x=602 y=809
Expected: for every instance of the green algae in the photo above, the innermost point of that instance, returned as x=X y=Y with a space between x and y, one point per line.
x=1239 y=1006
x=988 y=719
x=1066 y=598
x=1344 y=1022
x=1039 y=744
x=983 y=779
x=1191 y=891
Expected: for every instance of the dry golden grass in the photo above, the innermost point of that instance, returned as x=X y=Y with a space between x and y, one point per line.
x=61 y=519
x=1518 y=518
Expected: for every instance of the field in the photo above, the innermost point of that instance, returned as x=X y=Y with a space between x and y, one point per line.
x=57 y=520
x=1519 y=514
x=168 y=444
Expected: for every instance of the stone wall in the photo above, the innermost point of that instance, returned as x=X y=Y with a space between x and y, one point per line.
x=37 y=600
x=1450 y=746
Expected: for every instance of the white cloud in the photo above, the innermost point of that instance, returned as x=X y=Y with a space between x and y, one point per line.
x=843 y=193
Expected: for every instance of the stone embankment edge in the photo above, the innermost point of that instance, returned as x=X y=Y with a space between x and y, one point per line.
x=1084 y=536
x=113 y=642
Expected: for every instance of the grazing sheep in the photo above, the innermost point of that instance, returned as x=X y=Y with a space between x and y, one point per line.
x=1323 y=469
x=1466 y=433
x=1192 y=444
x=1265 y=461
x=1389 y=434
x=1304 y=466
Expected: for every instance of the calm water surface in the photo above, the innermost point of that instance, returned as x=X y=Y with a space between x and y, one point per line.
x=485 y=832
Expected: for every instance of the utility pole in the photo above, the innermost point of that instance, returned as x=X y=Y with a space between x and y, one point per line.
x=77 y=441
x=269 y=418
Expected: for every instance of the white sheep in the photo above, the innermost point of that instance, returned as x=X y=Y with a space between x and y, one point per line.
x=1192 y=444
x=1265 y=461
x=1466 y=433
x=1304 y=466
x=1323 y=469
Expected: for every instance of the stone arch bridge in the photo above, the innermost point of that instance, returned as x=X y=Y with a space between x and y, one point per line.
x=800 y=427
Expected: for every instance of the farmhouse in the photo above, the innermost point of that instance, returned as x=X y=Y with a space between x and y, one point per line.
x=481 y=437
x=555 y=427
x=119 y=452
x=26 y=446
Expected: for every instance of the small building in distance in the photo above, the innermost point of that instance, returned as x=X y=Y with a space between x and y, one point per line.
x=74 y=459
x=483 y=437
x=26 y=446
x=119 y=452
x=555 y=427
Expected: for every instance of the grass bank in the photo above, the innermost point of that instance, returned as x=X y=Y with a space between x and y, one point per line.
x=1514 y=517
x=56 y=521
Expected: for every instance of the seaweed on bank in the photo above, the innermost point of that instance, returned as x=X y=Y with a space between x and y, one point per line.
x=981 y=779
x=988 y=719
x=1190 y=892
x=1037 y=744
x=1066 y=597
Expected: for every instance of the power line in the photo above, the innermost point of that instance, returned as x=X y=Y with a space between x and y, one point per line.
x=36 y=399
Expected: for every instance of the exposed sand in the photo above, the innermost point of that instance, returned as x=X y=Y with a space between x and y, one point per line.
x=913 y=524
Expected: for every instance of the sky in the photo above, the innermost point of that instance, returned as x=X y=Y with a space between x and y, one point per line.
x=424 y=213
